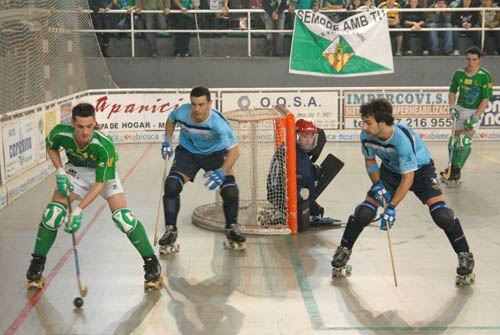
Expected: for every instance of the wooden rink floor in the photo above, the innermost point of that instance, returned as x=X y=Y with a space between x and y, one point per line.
x=280 y=284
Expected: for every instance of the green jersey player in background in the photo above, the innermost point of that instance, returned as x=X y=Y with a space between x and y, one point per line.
x=474 y=87
x=90 y=172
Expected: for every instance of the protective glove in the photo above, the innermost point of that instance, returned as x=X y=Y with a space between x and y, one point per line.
x=63 y=183
x=388 y=216
x=470 y=122
x=74 y=220
x=215 y=178
x=380 y=193
x=454 y=113
x=166 y=148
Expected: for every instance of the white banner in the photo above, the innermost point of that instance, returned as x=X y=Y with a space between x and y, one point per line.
x=18 y=145
x=321 y=106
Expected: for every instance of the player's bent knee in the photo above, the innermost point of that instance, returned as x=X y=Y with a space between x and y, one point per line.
x=442 y=215
x=54 y=215
x=365 y=213
x=125 y=220
x=229 y=191
x=173 y=185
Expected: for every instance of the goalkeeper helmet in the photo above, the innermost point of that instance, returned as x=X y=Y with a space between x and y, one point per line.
x=307 y=134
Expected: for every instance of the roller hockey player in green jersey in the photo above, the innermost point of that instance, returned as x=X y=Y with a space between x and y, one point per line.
x=474 y=87
x=90 y=172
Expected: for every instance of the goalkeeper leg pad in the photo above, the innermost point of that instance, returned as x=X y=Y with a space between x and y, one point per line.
x=461 y=150
x=125 y=220
x=230 y=195
x=330 y=167
x=54 y=215
x=303 y=215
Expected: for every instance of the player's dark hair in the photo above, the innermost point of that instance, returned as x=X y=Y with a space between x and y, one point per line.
x=200 y=91
x=380 y=109
x=82 y=110
x=473 y=50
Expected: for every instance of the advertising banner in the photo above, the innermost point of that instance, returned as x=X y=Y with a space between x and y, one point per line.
x=18 y=145
x=321 y=106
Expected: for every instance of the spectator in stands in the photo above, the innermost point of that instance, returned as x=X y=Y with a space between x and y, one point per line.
x=333 y=5
x=353 y=6
x=465 y=20
x=300 y=4
x=274 y=19
x=491 y=20
x=150 y=18
x=440 y=19
x=393 y=18
x=183 y=21
x=415 y=21
x=367 y=5
x=101 y=20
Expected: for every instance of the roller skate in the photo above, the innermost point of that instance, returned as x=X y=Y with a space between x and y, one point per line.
x=152 y=273
x=454 y=179
x=34 y=274
x=318 y=221
x=235 y=240
x=465 y=276
x=339 y=262
x=167 y=241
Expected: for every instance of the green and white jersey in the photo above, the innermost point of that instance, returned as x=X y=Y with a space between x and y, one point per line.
x=99 y=154
x=472 y=89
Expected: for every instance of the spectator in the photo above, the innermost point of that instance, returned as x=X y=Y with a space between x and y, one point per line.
x=183 y=21
x=101 y=20
x=300 y=4
x=415 y=21
x=393 y=18
x=274 y=19
x=440 y=19
x=353 y=6
x=465 y=20
x=367 y=5
x=149 y=19
x=333 y=4
x=491 y=20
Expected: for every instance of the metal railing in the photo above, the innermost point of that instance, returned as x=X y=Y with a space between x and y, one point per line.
x=249 y=31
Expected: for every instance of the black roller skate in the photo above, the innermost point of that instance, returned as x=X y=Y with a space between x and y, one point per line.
x=454 y=178
x=34 y=274
x=235 y=240
x=152 y=273
x=339 y=262
x=465 y=276
x=167 y=241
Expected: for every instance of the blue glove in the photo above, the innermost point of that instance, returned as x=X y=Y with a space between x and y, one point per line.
x=215 y=178
x=166 y=148
x=470 y=122
x=454 y=113
x=380 y=193
x=388 y=216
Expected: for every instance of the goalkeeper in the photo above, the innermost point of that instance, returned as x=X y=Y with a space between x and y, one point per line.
x=474 y=86
x=312 y=179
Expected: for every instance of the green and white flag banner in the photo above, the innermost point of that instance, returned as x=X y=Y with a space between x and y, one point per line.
x=357 y=46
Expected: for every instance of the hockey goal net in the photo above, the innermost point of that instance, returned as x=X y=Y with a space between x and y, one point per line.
x=264 y=172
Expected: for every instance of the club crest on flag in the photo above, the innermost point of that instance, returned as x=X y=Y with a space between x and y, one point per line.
x=338 y=53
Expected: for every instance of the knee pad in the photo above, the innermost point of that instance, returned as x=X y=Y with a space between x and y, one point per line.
x=125 y=220
x=229 y=190
x=173 y=184
x=365 y=213
x=461 y=150
x=442 y=215
x=54 y=215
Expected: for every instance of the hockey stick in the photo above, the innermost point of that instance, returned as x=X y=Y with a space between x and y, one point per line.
x=390 y=249
x=452 y=143
x=83 y=291
x=197 y=33
x=160 y=202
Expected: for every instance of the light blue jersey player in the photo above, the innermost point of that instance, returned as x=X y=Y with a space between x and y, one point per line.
x=207 y=142
x=406 y=166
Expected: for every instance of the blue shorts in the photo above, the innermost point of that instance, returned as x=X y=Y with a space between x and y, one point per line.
x=425 y=183
x=189 y=164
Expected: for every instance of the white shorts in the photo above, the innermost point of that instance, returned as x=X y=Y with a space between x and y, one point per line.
x=83 y=178
x=465 y=114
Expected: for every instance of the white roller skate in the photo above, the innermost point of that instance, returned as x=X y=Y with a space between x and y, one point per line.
x=167 y=241
x=235 y=240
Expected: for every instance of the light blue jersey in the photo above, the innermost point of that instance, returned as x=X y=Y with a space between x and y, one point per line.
x=204 y=138
x=403 y=152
